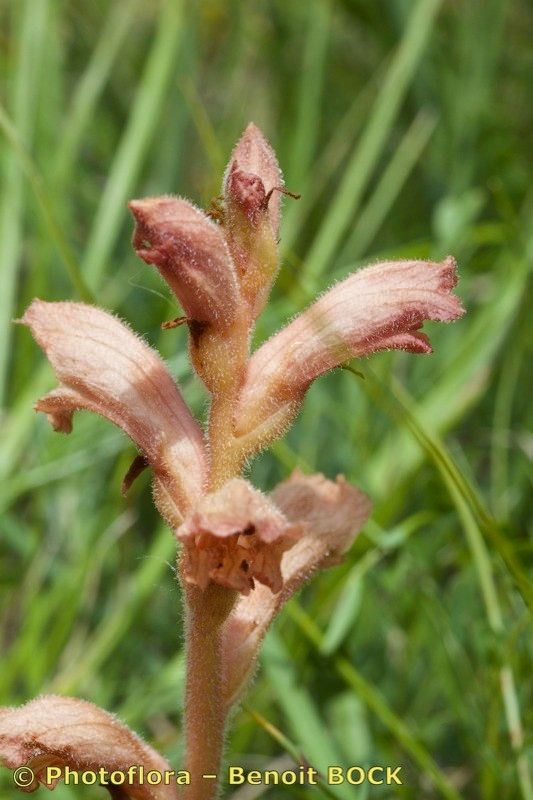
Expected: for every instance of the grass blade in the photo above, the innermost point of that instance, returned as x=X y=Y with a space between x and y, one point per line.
x=136 y=140
x=495 y=618
x=115 y=29
x=32 y=37
x=307 y=122
x=370 y=147
x=389 y=186
x=403 y=407
x=47 y=209
x=298 y=707
x=288 y=746
x=377 y=703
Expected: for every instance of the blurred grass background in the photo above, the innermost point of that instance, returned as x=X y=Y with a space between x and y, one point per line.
x=407 y=127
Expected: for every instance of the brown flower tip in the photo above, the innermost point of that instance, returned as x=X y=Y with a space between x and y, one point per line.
x=65 y=732
x=247 y=191
x=190 y=252
x=252 y=175
x=234 y=537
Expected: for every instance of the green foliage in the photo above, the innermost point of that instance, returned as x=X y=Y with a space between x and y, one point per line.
x=403 y=125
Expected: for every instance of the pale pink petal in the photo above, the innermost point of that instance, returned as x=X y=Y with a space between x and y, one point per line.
x=103 y=367
x=190 y=252
x=236 y=536
x=64 y=732
x=378 y=308
x=252 y=174
x=333 y=514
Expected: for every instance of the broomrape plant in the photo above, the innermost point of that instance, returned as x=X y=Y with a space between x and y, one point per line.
x=242 y=554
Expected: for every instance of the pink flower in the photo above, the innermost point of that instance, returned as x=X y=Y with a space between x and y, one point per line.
x=235 y=537
x=378 y=308
x=264 y=549
x=331 y=514
x=64 y=732
x=191 y=254
x=103 y=367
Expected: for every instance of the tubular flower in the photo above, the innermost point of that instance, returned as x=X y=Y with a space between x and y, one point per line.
x=192 y=255
x=62 y=732
x=189 y=251
x=331 y=514
x=103 y=367
x=378 y=308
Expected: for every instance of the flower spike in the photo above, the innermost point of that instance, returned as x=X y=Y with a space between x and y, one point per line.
x=243 y=555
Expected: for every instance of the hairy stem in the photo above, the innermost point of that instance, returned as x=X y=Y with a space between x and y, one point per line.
x=231 y=357
x=205 y=715
x=207 y=610
x=221 y=362
x=227 y=457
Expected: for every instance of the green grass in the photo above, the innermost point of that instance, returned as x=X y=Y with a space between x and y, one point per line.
x=405 y=127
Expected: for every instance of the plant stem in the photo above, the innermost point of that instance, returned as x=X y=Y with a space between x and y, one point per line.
x=222 y=361
x=229 y=358
x=205 y=715
x=226 y=454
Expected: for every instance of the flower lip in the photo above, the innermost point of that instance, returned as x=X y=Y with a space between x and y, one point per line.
x=234 y=537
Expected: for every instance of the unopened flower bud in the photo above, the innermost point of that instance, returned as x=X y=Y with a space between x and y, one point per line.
x=245 y=192
x=252 y=215
x=253 y=173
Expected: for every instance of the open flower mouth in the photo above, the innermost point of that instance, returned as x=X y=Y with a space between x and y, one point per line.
x=236 y=561
x=235 y=537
